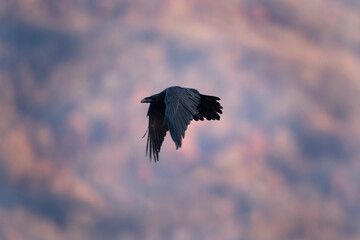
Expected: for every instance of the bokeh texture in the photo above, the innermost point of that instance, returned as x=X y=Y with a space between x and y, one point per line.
x=283 y=162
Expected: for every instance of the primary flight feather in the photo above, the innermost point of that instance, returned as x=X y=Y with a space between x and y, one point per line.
x=173 y=109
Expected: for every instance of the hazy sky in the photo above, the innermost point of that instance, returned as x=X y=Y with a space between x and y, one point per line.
x=283 y=162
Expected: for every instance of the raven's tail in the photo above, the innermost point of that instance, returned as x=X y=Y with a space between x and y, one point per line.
x=208 y=108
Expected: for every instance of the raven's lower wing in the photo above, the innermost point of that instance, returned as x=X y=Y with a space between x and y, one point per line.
x=181 y=105
x=156 y=132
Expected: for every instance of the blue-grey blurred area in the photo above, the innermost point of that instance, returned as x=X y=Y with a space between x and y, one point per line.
x=282 y=163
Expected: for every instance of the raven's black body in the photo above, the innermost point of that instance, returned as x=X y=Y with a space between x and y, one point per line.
x=172 y=110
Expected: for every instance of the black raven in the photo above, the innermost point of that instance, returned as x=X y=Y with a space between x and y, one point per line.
x=172 y=110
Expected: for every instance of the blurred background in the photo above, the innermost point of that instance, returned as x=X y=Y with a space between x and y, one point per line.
x=283 y=162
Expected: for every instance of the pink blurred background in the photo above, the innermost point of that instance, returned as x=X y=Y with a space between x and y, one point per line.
x=283 y=162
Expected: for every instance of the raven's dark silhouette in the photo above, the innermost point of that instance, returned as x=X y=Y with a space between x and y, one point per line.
x=172 y=110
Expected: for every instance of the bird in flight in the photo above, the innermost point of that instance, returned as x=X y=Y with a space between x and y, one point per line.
x=173 y=109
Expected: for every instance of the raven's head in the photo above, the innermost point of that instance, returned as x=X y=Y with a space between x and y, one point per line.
x=156 y=98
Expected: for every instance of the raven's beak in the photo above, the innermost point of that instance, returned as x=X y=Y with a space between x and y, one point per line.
x=146 y=100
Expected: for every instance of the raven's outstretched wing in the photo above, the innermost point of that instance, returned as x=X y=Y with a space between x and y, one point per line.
x=208 y=108
x=156 y=132
x=181 y=105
